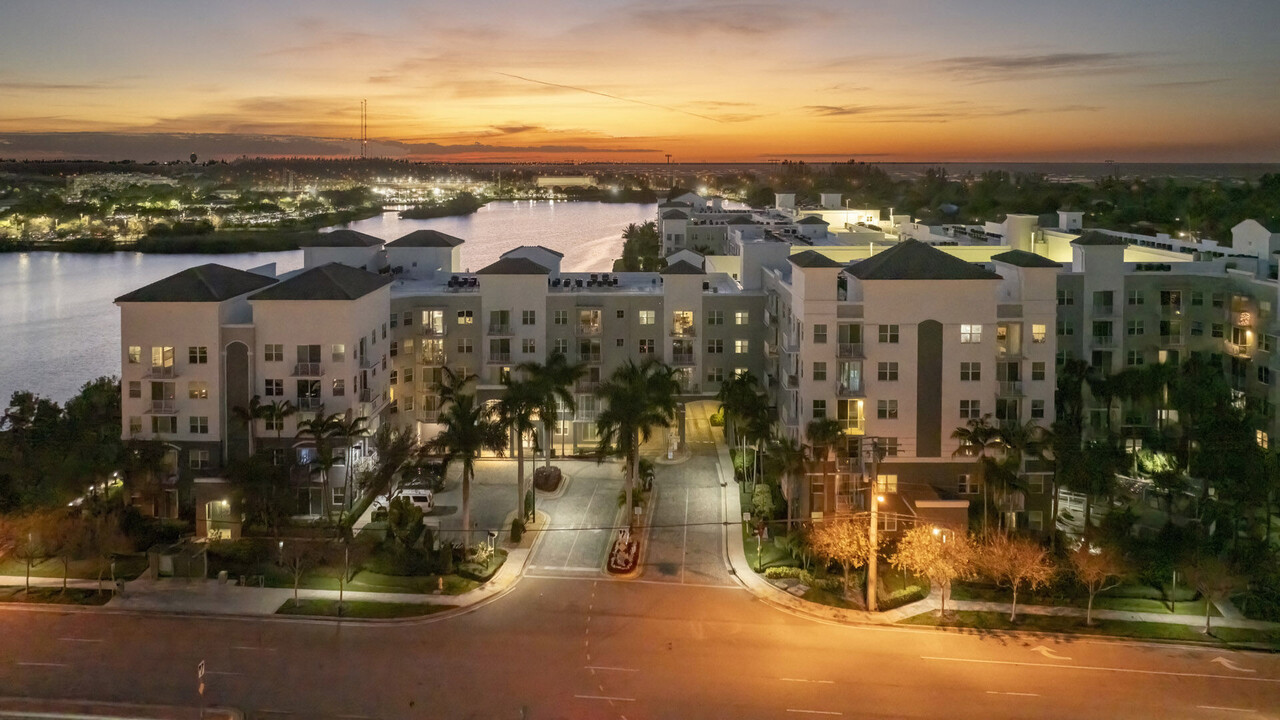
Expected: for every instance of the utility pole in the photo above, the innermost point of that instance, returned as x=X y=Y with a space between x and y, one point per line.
x=874 y=501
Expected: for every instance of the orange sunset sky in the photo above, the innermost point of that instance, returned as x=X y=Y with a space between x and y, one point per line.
x=1139 y=80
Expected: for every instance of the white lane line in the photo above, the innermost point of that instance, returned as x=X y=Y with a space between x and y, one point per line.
x=1015 y=694
x=684 y=546
x=604 y=697
x=1102 y=669
x=820 y=682
x=586 y=514
x=251 y=647
x=43 y=664
x=815 y=712
x=80 y=640
x=220 y=672
x=610 y=669
x=1226 y=709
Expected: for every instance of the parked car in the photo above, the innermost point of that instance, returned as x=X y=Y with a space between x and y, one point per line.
x=422 y=498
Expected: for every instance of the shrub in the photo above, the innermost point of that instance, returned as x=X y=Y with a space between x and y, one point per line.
x=517 y=529
x=717 y=418
x=805 y=577
x=905 y=596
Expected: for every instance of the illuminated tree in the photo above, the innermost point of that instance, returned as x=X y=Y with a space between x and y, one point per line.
x=843 y=541
x=1213 y=580
x=936 y=554
x=1015 y=563
x=1098 y=569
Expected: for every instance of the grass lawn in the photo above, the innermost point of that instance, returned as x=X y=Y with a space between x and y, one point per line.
x=359 y=609
x=770 y=554
x=1114 y=628
x=325 y=578
x=54 y=596
x=128 y=567
x=1121 y=598
x=823 y=597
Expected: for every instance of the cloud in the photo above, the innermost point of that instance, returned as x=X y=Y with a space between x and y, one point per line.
x=1185 y=83
x=515 y=129
x=935 y=113
x=746 y=19
x=997 y=68
x=17 y=86
x=612 y=97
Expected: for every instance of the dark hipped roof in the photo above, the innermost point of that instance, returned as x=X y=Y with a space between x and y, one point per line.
x=344 y=238
x=811 y=220
x=1097 y=238
x=327 y=282
x=204 y=283
x=540 y=247
x=513 y=266
x=814 y=259
x=1022 y=258
x=914 y=260
x=675 y=215
x=426 y=239
x=682 y=267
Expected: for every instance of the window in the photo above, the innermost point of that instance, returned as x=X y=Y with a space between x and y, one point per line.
x=1264 y=441
x=560 y=317
x=966 y=485
x=1037 y=371
x=273 y=388
x=135 y=388
x=1007 y=409
x=199 y=425
x=135 y=425
x=528 y=317
x=407 y=318
x=970 y=371
x=819 y=371
x=742 y=317
x=198 y=355
x=1264 y=374
x=1134 y=327
x=1035 y=520
x=464 y=346
x=560 y=345
x=273 y=423
x=1239 y=336
x=890 y=446
x=888 y=333
x=407 y=375
x=1197 y=328
x=1217 y=330
x=338 y=495
x=1066 y=298
x=340 y=386
x=528 y=346
x=273 y=353
x=395 y=321
x=338 y=352
x=887 y=409
x=164 y=424
x=198 y=459
x=1266 y=342
x=1065 y=329
x=395 y=348
x=887 y=483
x=739 y=372
x=466 y=317
x=394 y=378
x=970 y=409
x=887 y=371
x=384 y=331
x=970 y=333
x=1037 y=409
x=648 y=317
x=1134 y=357
x=820 y=334
x=407 y=401
x=135 y=354
x=1197 y=298
x=198 y=390
x=1038 y=333
x=819 y=409
x=715 y=347
x=1136 y=298
x=888 y=523
x=715 y=375
x=646 y=346
x=1219 y=300
x=619 y=342
x=621 y=314
x=740 y=347
x=715 y=317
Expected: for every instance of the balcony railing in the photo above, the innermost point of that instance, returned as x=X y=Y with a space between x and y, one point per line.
x=1170 y=310
x=850 y=390
x=690 y=388
x=162 y=371
x=1009 y=351
x=496 y=329
x=499 y=357
x=367 y=395
x=588 y=329
x=792 y=381
x=1236 y=349
x=586 y=386
x=370 y=362
x=308 y=369
x=429 y=331
x=684 y=331
x=1170 y=339
x=850 y=350
x=1104 y=341
x=1104 y=310
x=591 y=358
x=308 y=403
x=163 y=407
x=1010 y=387
x=433 y=357
x=681 y=358
x=429 y=416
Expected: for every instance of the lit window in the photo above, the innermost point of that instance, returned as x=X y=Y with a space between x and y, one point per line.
x=1264 y=441
x=970 y=333
x=887 y=483
x=198 y=390
x=741 y=318
x=466 y=317
x=648 y=317
x=1038 y=333
x=339 y=352
x=740 y=347
x=135 y=354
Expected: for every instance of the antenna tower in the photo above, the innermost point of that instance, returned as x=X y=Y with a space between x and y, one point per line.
x=364 y=128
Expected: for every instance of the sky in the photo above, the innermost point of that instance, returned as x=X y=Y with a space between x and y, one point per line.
x=634 y=80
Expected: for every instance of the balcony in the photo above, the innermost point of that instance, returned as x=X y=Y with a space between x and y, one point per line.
x=1103 y=341
x=429 y=416
x=161 y=372
x=586 y=386
x=1170 y=339
x=684 y=331
x=499 y=358
x=1104 y=310
x=791 y=382
x=306 y=404
x=369 y=396
x=1236 y=349
x=370 y=362
x=850 y=390
x=1242 y=319
x=769 y=319
x=1009 y=352
x=434 y=332
x=689 y=388
x=308 y=369
x=163 y=407
x=433 y=358
x=588 y=329
x=591 y=358
x=681 y=358
x=499 y=330
x=1170 y=310
x=850 y=350
x=1009 y=388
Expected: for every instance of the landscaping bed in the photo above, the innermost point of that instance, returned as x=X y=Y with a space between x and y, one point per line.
x=316 y=607
x=1114 y=628
x=54 y=596
x=128 y=567
x=1131 y=598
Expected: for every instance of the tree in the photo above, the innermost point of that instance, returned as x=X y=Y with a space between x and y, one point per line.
x=249 y=415
x=277 y=412
x=107 y=540
x=454 y=383
x=936 y=554
x=1015 y=563
x=1098 y=568
x=348 y=556
x=65 y=538
x=298 y=557
x=28 y=543
x=348 y=429
x=468 y=429
x=394 y=449
x=404 y=521
x=1213 y=579
x=976 y=438
x=763 y=508
x=638 y=398
x=264 y=491
x=785 y=459
x=515 y=410
x=844 y=541
x=320 y=430
x=554 y=381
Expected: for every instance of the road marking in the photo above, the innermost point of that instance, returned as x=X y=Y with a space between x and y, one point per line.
x=1226 y=709
x=821 y=682
x=43 y=664
x=1049 y=653
x=82 y=640
x=610 y=669
x=1230 y=665
x=684 y=546
x=1016 y=694
x=815 y=712
x=251 y=647
x=220 y=672
x=604 y=697
x=1101 y=669
x=585 y=515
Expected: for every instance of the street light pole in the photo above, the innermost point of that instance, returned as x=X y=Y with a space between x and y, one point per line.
x=874 y=501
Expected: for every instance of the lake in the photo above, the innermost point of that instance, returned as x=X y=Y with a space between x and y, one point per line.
x=60 y=328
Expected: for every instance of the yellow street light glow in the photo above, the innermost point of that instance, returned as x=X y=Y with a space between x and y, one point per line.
x=879 y=498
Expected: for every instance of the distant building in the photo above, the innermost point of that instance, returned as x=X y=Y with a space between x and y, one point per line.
x=563 y=181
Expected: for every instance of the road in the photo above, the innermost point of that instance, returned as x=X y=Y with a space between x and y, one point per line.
x=681 y=641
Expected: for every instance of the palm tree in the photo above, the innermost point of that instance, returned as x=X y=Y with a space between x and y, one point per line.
x=823 y=434
x=256 y=410
x=453 y=383
x=320 y=429
x=746 y=409
x=637 y=399
x=277 y=412
x=977 y=437
x=468 y=429
x=347 y=429
x=785 y=458
x=1020 y=442
x=520 y=400
x=555 y=380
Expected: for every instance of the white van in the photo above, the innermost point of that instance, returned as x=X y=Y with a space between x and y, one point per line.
x=422 y=498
